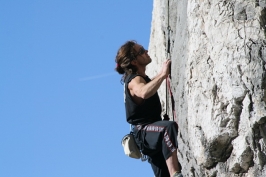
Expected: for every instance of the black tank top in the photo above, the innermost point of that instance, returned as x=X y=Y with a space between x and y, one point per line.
x=147 y=112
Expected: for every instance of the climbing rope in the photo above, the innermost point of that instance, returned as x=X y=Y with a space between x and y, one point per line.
x=168 y=85
x=167 y=57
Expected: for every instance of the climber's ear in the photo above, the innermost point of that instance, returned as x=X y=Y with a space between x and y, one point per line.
x=134 y=62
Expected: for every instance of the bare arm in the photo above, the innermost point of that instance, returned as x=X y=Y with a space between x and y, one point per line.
x=140 y=89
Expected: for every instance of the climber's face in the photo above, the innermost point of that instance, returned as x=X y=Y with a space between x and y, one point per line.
x=142 y=55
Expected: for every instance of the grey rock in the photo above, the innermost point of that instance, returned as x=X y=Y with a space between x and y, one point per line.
x=218 y=80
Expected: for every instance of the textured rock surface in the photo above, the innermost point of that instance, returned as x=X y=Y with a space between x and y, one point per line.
x=218 y=52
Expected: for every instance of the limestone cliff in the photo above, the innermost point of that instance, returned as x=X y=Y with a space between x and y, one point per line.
x=218 y=53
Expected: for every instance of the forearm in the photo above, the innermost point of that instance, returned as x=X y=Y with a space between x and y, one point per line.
x=145 y=90
x=151 y=87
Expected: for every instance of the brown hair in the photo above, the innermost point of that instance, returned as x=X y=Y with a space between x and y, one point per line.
x=125 y=55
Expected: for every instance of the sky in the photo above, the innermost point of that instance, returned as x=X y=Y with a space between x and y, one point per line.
x=61 y=102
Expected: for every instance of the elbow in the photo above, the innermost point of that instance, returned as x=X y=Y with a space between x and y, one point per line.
x=142 y=96
x=145 y=96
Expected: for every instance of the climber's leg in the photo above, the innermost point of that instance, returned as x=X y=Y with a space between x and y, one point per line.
x=158 y=165
x=172 y=164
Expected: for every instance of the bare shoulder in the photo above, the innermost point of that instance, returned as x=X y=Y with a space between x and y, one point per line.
x=136 y=82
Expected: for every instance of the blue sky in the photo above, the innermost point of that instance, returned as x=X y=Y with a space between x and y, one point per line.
x=61 y=103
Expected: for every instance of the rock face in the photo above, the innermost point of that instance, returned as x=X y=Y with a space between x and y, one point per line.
x=218 y=80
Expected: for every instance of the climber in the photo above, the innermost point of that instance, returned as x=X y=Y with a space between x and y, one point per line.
x=156 y=138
